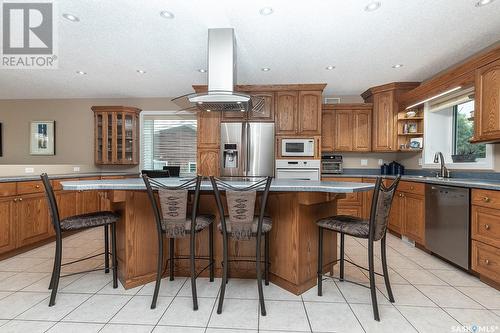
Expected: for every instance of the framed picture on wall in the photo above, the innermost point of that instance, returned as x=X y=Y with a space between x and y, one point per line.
x=42 y=138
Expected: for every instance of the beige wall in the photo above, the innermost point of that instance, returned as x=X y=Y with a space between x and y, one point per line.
x=74 y=132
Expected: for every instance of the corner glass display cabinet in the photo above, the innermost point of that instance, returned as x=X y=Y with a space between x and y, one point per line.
x=116 y=135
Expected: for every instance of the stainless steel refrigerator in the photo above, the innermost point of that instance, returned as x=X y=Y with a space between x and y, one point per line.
x=247 y=149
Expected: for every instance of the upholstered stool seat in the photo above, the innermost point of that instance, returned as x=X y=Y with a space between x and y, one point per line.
x=267 y=225
x=202 y=221
x=350 y=225
x=89 y=220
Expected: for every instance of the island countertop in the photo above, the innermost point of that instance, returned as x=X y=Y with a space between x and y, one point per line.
x=277 y=185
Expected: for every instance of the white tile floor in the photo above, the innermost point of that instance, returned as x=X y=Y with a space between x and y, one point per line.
x=431 y=296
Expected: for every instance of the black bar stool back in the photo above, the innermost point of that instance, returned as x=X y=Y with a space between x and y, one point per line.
x=173 y=221
x=74 y=223
x=243 y=224
x=374 y=229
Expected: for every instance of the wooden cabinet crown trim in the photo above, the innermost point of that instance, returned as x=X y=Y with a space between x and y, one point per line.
x=459 y=74
x=115 y=108
x=389 y=87
x=347 y=106
x=269 y=87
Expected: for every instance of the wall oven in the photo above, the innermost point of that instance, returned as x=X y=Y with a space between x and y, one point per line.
x=297 y=147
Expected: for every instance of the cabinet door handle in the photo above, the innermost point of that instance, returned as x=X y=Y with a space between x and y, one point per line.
x=20 y=199
x=412 y=188
x=487 y=226
x=486 y=261
x=486 y=199
x=37 y=186
x=15 y=200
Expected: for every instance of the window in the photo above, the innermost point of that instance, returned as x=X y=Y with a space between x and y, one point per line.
x=463 y=118
x=169 y=139
x=448 y=128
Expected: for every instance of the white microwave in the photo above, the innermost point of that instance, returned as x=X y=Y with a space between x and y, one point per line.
x=297 y=147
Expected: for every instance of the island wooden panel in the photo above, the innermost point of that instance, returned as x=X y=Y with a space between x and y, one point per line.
x=293 y=246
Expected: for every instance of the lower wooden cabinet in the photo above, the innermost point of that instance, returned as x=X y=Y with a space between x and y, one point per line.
x=485 y=233
x=88 y=202
x=352 y=204
x=407 y=216
x=7 y=225
x=485 y=260
x=208 y=162
x=32 y=219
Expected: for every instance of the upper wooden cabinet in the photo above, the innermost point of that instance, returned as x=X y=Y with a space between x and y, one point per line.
x=386 y=106
x=298 y=112
x=309 y=113
x=487 y=103
x=208 y=135
x=346 y=127
x=116 y=134
x=286 y=117
x=266 y=114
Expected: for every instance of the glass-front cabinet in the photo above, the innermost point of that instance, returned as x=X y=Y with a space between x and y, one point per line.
x=116 y=134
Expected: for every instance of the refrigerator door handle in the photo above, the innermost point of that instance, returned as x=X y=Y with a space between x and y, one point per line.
x=244 y=148
x=248 y=155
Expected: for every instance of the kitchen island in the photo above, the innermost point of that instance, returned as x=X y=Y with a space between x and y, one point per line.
x=293 y=205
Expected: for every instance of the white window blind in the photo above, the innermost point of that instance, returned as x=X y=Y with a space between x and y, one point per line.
x=169 y=140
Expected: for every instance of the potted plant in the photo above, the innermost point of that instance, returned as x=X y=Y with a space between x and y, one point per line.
x=465 y=156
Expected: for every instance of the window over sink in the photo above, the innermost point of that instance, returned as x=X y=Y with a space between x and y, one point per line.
x=449 y=127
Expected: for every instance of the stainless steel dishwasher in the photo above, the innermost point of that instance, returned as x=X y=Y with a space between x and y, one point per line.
x=447 y=223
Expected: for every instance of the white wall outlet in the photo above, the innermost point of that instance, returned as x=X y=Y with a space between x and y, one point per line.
x=420 y=161
x=29 y=170
x=76 y=169
x=380 y=162
x=364 y=162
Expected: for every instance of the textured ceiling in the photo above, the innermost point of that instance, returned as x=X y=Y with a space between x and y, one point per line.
x=115 y=38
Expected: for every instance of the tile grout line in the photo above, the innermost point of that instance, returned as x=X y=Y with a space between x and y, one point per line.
x=349 y=305
x=169 y=304
x=307 y=315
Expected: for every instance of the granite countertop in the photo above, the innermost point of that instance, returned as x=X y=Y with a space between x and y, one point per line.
x=280 y=185
x=62 y=176
x=487 y=184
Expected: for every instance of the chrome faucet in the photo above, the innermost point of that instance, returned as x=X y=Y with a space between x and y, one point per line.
x=443 y=173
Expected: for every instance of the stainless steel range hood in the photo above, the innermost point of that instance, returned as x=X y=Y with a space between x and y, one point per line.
x=221 y=79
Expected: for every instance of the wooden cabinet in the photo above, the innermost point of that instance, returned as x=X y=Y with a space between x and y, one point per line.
x=7 y=225
x=286 y=116
x=487 y=103
x=485 y=233
x=352 y=204
x=208 y=135
x=386 y=106
x=414 y=217
x=347 y=127
x=309 y=113
x=327 y=131
x=88 y=202
x=32 y=219
x=343 y=130
x=116 y=135
x=266 y=113
x=407 y=216
x=208 y=162
x=298 y=113
x=362 y=129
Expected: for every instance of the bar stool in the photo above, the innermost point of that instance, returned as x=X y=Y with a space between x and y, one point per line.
x=79 y=222
x=242 y=224
x=173 y=222
x=374 y=229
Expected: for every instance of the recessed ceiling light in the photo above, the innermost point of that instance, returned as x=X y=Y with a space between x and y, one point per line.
x=166 y=14
x=265 y=69
x=397 y=66
x=266 y=11
x=330 y=67
x=81 y=73
x=372 y=6
x=71 y=17
x=140 y=71
x=208 y=110
x=482 y=3
x=202 y=70
x=242 y=110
